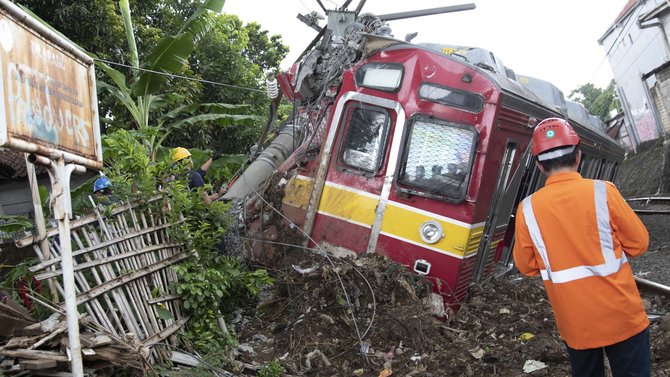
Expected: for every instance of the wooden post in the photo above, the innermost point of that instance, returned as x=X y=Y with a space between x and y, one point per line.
x=40 y=223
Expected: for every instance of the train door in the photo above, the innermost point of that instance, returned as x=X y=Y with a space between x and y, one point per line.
x=531 y=180
x=352 y=183
x=502 y=205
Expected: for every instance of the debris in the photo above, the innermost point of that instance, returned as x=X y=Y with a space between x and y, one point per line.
x=665 y=322
x=477 y=352
x=49 y=324
x=184 y=359
x=504 y=311
x=38 y=364
x=313 y=354
x=244 y=347
x=327 y=319
x=304 y=271
x=532 y=365
x=526 y=336
x=385 y=373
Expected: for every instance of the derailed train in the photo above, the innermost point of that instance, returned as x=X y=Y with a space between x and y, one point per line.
x=416 y=152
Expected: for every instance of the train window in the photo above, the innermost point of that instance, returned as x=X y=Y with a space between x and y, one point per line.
x=381 y=76
x=603 y=170
x=366 y=137
x=452 y=97
x=582 y=162
x=586 y=166
x=597 y=163
x=437 y=158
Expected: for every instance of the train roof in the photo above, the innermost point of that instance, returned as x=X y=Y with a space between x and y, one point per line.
x=539 y=92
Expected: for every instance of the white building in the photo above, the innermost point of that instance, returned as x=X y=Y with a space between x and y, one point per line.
x=637 y=49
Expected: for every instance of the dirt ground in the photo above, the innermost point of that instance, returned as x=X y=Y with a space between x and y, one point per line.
x=308 y=324
x=380 y=325
x=640 y=176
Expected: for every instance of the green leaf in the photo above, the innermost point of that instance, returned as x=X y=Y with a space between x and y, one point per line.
x=169 y=56
x=44 y=195
x=219 y=119
x=229 y=159
x=14 y=223
x=116 y=76
x=49 y=26
x=164 y=314
x=200 y=23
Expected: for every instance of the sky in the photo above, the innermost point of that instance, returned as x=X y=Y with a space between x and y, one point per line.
x=555 y=41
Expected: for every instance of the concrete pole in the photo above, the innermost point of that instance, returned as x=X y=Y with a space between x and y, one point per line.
x=266 y=163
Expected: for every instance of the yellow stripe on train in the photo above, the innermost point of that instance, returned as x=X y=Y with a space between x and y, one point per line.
x=400 y=222
x=404 y=223
x=348 y=205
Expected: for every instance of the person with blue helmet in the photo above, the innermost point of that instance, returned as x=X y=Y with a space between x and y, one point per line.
x=102 y=188
x=100 y=184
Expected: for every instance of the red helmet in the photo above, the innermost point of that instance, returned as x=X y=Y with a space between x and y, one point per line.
x=553 y=133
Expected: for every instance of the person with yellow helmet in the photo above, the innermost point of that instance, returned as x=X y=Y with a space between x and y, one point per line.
x=196 y=178
x=577 y=234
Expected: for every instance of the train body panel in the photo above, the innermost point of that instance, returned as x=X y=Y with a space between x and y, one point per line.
x=421 y=156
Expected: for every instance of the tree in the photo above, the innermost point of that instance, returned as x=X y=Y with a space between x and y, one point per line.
x=97 y=25
x=237 y=54
x=231 y=53
x=597 y=101
x=154 y=113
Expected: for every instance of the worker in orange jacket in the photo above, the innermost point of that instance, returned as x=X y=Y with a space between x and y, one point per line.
x=577 y=234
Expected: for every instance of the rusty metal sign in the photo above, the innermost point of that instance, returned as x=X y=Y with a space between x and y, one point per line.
x=49 y=102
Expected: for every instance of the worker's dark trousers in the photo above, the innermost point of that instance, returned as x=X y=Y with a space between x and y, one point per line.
x=629 y=358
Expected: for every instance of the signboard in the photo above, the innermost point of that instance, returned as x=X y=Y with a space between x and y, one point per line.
x=48 y=104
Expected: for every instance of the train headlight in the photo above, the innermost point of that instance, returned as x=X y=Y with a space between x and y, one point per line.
x=431 y=232
x=381 y=76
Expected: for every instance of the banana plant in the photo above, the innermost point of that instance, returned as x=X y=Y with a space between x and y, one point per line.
x=141 y=93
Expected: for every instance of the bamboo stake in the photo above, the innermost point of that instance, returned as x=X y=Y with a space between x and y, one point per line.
x=140 y=287
x=122 y=270
x=120 y=300
x=129 y=277
x=96 y=276
x=93 y=308
x=127 y=309
x=40 y=222
x=96 y=247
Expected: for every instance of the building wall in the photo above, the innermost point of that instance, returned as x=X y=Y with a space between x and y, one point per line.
x=661 y=95
x=16 y=197
x=633 y=52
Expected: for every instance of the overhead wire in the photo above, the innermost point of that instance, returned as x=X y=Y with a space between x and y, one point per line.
x=172 y=75
x=624 y=28
x=330 y=261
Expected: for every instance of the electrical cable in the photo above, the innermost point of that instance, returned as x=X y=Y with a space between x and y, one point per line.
x=329 y=259
x=181 y=76
x=626 y=26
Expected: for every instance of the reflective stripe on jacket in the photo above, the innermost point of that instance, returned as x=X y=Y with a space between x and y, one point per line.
x=611 y=265
x=573 y=232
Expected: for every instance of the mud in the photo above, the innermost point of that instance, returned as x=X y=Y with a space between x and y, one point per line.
x=369 y=317
x=308 y=323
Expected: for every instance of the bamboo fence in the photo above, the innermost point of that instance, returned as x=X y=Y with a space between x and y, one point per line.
x=123 y=279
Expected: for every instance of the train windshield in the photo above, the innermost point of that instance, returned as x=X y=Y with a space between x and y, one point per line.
x=437 y=159
x=364 y=143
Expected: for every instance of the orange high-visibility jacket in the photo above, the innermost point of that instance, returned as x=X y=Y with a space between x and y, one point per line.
x=576 y=234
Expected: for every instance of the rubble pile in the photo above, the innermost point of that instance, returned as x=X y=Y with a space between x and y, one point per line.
x=42 y=349
x=380 y=324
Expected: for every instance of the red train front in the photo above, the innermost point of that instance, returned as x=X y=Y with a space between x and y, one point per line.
x=413 y=152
